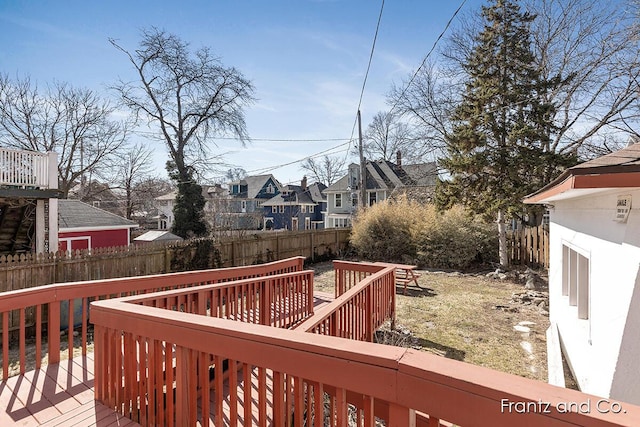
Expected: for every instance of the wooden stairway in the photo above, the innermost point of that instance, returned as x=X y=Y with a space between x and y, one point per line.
x=17 y=227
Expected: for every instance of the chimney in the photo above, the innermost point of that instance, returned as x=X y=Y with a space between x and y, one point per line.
x=303 y=184
x=399 y=158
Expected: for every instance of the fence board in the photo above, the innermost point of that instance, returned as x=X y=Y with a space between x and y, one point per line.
x=529 y=246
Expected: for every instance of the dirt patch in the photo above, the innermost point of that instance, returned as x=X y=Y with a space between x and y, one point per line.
x=459 y=316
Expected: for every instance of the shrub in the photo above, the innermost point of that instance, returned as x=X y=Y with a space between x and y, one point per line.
x=405 y=231
x=457 y=240
x=388 y=230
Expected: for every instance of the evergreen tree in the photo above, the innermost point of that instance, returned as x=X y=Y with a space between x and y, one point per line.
x=188 y=211
x=496 y=150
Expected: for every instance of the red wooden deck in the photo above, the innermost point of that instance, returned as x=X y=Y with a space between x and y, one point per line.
x=56 y=395
x=62 y=394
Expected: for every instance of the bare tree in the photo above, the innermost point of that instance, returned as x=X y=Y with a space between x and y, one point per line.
x=592 y=46
x=387 y=134
x=235 y=174
x=132 y=169
x=75 y=123
x=190 y=97
x=326 y=170
x=589 y=47
x=427 y=99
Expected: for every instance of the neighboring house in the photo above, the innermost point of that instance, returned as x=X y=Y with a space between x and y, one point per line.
x=82 y=226
x=243 y=209
x=165 y=204
x=28 y=201
x=296 y=207
x=383 y=178
x=594 y=275
x=154 y=236
x=98 y=195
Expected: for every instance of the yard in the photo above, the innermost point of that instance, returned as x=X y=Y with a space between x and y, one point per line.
x=467 y=317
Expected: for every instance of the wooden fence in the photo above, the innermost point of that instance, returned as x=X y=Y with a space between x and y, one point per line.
x=25 y=271
x=529 y=246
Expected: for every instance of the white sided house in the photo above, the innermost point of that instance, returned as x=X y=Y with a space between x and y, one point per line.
x=594 y=275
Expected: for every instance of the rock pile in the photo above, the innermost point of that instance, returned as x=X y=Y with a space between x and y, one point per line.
x=529 y=297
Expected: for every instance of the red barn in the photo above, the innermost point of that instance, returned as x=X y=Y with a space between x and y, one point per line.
x=81 y=226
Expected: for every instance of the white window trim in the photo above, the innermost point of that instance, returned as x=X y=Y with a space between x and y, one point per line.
x=576 y=280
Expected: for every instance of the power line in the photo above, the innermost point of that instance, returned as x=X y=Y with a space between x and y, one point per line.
x=415 y=74
x=230 y=138
x=348 y=143
x=270 y=168
x=373 y=47
x=366 y=75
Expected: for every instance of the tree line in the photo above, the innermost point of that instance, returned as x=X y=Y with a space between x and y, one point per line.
x=515 y=93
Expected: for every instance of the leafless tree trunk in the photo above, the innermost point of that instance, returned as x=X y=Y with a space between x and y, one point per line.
x=75 y=123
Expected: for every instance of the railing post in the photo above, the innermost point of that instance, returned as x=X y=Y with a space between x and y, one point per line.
x=52 y=165
x=53 y=332
x=310 y=294
x=182 y=386
x=369 y=314
x=400 y=416
x=265 y=302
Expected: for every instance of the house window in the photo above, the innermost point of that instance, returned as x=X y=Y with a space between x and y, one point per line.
x=281 y=208
x=274 y=209
x=303 y=209
x=312 y=209
x=270 y=189
x=338 y=200
x=243 y=206
x=96 y=203
x=373 y=198
x=575 y=280
x=341 y=222
x=307 y=223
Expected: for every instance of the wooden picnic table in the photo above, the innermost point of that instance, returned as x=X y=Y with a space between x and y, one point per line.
x=405 y=273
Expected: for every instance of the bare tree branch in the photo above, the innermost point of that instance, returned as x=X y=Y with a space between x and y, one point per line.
x=75 y=123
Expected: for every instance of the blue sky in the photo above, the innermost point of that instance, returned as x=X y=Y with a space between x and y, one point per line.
x=306 y=58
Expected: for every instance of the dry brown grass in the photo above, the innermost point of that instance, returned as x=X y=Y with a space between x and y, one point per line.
x=454 y=315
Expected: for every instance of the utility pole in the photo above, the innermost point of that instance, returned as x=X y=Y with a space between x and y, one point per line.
x=363 y=166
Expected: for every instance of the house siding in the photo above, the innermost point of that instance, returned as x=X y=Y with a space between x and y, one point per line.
x=97 y=239
x=601 y=349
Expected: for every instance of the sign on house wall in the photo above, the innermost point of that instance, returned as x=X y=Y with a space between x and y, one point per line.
x=623 y=206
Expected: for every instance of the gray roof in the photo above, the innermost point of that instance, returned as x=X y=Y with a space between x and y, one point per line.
x=77 y=214
x=311 y=196
x=385 y=175
x=254 y=184
x=316 y=192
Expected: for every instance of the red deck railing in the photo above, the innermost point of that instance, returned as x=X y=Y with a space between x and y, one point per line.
x=348 y=274
x=230 y=373
x=360 y=311
x=45 y=303
x=279 y=300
